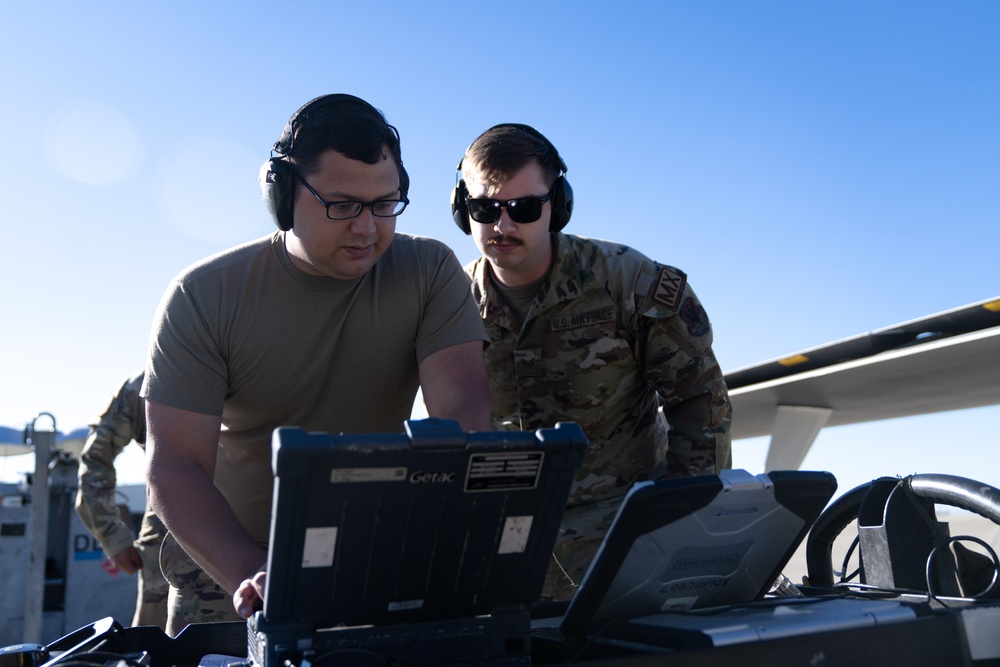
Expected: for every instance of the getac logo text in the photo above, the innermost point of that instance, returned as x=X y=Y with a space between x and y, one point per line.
x=419 y=477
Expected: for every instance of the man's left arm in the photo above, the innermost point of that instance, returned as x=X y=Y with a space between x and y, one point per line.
x=454 y=386
x=680 y=363
x=95 y=504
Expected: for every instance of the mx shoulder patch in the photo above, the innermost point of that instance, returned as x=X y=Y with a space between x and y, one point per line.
x=669 y=287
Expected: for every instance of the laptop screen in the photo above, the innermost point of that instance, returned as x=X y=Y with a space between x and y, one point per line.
x=429 y=524
x=697 y=542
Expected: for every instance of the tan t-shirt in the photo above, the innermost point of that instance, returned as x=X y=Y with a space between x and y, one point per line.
x=246 y=335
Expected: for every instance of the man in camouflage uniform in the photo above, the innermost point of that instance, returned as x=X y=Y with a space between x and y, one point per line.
x=123 y=421
x=586 y=331
x=168 y=578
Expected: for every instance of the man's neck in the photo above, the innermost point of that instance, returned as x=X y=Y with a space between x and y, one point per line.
x=518 y=299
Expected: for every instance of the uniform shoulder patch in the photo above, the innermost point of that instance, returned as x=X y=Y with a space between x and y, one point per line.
x=695 y=318
x=669 y=286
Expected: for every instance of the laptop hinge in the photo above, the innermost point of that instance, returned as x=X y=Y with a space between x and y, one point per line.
x=434 y=432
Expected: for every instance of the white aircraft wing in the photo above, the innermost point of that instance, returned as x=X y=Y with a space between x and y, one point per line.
x=12 y=441
x=948 y=361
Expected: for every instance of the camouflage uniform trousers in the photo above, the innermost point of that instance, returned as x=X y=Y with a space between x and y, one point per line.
x=580 y=536
x=151 y=599
x=194 y=596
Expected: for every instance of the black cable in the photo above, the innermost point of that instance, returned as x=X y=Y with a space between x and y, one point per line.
x=844 y=577
x=930 y=561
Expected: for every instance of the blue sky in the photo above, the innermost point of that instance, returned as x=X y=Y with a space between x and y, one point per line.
x=819 y=169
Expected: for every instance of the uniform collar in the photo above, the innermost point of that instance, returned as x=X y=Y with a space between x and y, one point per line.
x=564 y=282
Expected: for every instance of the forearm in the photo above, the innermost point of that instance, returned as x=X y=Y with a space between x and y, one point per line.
x=680 y=364
x=180 y=490
x=95 y=501
x=454 y=386
x=472 y=414
x=104 y=522
x=699 y=431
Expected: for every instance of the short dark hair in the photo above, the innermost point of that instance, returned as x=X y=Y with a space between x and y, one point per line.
x=348 y=125
x=503 y=150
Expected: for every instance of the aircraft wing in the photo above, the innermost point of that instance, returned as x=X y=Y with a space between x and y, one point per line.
x=948 y=361
x=12 y=441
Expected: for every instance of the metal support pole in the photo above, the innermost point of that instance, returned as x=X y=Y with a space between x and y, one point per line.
x=43 y=443
x=793 y=433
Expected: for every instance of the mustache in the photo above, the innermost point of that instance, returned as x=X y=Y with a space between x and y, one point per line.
x=505 y=239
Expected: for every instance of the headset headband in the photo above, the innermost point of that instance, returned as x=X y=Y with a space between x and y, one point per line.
x=286 y=142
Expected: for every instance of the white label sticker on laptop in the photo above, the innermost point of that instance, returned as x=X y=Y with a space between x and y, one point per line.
x=679 y=604
x=504 y=472
x=352 y=475
x=319 y=547
x=516 y=530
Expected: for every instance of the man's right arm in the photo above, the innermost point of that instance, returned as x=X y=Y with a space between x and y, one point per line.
x=181 y=449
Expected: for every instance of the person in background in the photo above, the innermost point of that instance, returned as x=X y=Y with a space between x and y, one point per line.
x=122 y=422
x=331 y=323
x=587 y=331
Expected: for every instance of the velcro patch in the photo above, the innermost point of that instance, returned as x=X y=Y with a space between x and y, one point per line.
x=695 y=317
x=573 y=321
x=528 y=363
x=669 y=287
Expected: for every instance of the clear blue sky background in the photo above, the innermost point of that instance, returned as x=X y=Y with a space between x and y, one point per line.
x=820 y=169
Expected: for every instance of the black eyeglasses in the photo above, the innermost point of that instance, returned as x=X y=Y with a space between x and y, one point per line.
x=345 y=210
x=522 y=209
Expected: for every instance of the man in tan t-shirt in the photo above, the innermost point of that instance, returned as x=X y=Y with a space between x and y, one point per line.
x=332 y=323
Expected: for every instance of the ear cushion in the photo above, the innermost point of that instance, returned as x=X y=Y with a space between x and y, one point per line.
x=404 y=180
x=277 y=189
x=562 y=203
x=459 y=209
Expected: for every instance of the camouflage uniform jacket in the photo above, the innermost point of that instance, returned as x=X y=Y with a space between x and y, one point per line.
x=610 y=338
x=123 y=421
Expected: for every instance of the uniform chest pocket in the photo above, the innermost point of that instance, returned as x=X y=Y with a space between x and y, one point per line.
x=588 y=360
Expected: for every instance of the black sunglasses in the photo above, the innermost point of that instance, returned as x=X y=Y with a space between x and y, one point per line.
x=522 y=209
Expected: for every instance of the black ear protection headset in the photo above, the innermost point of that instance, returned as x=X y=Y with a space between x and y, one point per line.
x=562 y=193
x=277 y=181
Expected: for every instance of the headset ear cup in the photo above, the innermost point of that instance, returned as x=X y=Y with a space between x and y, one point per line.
x=404 y=181
x=562 y=203
x=277 y=189
x=459 y=209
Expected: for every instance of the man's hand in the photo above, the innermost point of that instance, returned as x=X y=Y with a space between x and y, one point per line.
x=128 y=559
x=249 y=597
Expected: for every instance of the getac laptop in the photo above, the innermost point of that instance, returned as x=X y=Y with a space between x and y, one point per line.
x=693 y=543
x=416 y=541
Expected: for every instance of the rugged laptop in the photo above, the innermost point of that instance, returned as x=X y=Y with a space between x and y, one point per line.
x=692 y=543
x=425 y=546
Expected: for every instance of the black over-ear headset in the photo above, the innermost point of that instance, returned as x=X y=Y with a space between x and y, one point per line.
x=562 y=193
x=277 y=182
